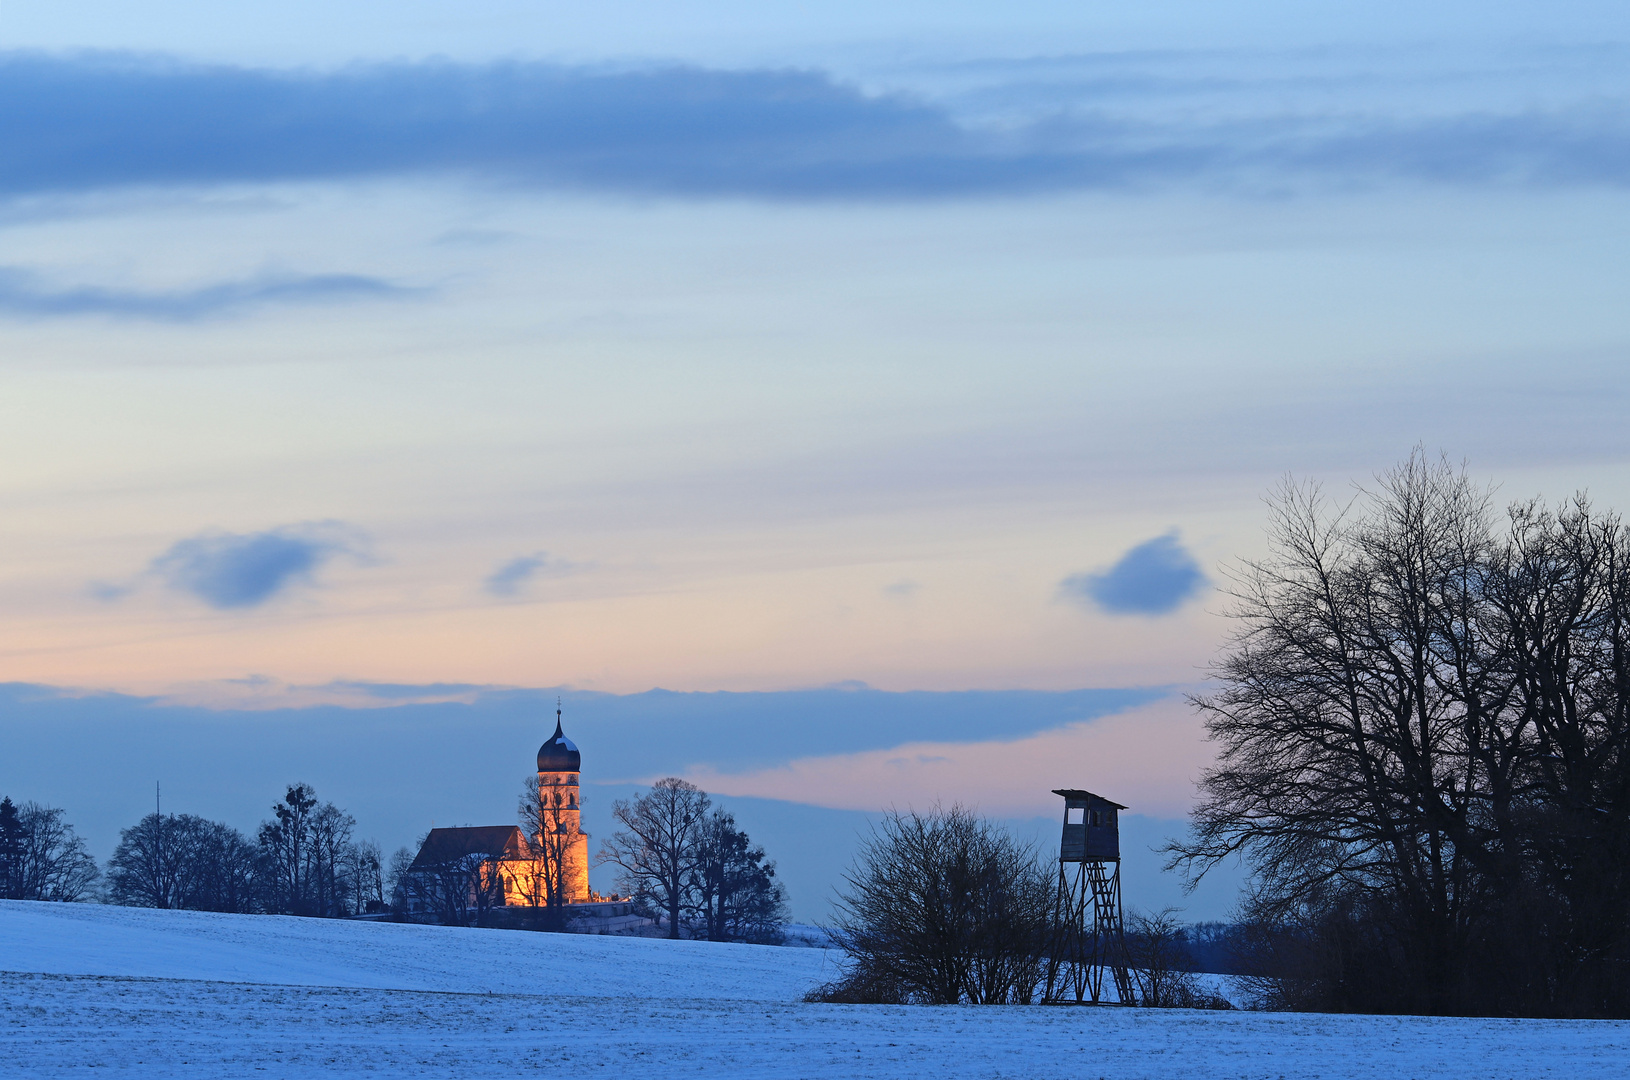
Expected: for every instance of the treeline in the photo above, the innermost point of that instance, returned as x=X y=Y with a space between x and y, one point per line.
x=687 y=864
x=682 y=862
x=1423 y=725
x=304 y=861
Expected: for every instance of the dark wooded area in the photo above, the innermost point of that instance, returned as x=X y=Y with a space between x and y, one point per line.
x=1422 y=722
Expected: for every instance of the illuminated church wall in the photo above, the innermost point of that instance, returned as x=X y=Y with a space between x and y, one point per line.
x=564 y=787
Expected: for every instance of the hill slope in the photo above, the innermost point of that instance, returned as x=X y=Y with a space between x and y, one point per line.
x=90 y=939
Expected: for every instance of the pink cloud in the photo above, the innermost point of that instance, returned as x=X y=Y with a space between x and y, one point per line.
x=1147 y=758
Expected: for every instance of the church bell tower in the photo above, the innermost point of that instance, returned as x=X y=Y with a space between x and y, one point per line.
x=559 y=765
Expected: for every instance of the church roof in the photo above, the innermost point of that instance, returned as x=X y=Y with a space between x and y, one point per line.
x=559 y=754
x=446 y=845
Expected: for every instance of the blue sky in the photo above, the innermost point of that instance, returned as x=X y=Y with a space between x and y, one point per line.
x=471 y=350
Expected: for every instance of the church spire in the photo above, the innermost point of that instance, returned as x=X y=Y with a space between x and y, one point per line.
x=559 y=754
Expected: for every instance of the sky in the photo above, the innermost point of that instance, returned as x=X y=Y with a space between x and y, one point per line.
x=359 y=359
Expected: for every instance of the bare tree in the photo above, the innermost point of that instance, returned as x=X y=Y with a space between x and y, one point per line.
x=462 y=890
x=303 y=856
x=655 y=850
x=183 y=861
x=41 y=857
x=221 y=869
x=549 y=821
x=365 y=867
x=1158 y=949
x=284 y=854
x=149 y=867
x=732 y=890
x=329 y=856
x=405 y=893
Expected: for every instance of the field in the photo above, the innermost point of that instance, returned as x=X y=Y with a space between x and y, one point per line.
x=119 y=991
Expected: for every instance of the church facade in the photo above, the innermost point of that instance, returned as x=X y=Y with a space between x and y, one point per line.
x=492 y=866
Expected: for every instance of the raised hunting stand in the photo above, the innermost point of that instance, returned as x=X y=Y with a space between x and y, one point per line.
x=1088 y=935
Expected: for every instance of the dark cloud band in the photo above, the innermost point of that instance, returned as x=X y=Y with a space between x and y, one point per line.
x=74 y=124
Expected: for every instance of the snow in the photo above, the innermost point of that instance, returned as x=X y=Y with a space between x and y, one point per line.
x=91 y=939
x=185 y=994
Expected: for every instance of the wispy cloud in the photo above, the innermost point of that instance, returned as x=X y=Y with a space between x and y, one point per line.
x=23 y=294
x=110 y=121
x=245 y=570
x=512 y=577
x=1153 y=578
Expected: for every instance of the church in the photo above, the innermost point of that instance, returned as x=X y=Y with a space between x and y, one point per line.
x=502 y=866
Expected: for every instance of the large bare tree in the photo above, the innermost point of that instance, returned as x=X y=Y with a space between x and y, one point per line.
x=655 y=850
x=182 y=861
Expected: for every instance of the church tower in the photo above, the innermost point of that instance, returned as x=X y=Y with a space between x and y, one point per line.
x=559 y=765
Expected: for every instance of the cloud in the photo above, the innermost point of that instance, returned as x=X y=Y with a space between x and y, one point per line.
x=513 y=577
x=660 y=732
x=22 y=294
x=1148 y=757
x=109 y=591
x=1154 y=578
x=233 y=570
x=102 y=121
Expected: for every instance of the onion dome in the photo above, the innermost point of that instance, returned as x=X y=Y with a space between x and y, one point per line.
x=559 y=754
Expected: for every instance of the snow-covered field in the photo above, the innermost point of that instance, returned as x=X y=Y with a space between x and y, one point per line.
x=126 y=991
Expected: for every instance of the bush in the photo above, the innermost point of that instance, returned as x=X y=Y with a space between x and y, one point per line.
x=942 y=908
